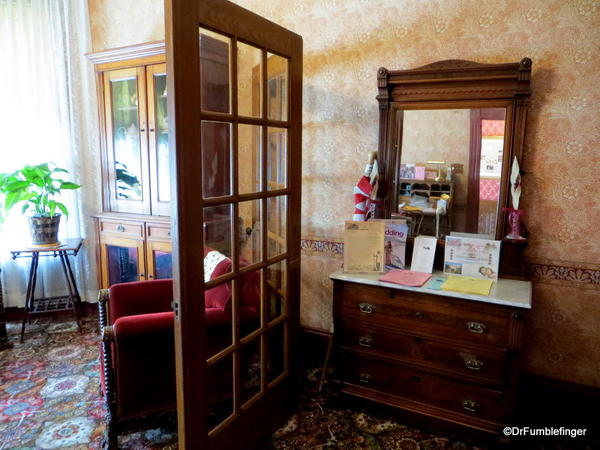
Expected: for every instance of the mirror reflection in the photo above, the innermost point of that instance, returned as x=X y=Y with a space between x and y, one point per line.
x=450 y=170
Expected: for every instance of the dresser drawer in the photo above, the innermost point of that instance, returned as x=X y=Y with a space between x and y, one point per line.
x=486 y=364
x=427 y=314
x=158 y=231
x=121 y=227
x=418 y=386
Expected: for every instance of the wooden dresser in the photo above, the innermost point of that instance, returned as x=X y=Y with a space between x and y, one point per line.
x=442 y=354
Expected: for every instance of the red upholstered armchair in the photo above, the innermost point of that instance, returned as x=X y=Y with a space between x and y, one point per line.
x=137 y=350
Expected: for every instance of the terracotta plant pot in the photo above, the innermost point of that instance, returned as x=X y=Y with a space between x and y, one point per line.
x=44 y=230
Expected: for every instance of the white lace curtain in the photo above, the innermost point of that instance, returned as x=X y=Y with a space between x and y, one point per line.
x=48 y=113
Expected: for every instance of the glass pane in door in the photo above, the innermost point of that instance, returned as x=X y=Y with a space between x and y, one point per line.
x=220 y=391
x=216 y=158
x=276 y=363
x=162 y=138
x=276 y=158
x=277 y=72
x=249 y=158
x=250 y=223
x=123 y=263
x=276 y=290
x=277 y=225
x=249 y=68
x=163 y=265
x=250 y=369
x=215 y=72
x=126 y=138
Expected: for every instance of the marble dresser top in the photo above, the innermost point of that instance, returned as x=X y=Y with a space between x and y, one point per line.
x=504 y=291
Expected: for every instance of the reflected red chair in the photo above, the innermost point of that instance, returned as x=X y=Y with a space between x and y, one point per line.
x=137 y=350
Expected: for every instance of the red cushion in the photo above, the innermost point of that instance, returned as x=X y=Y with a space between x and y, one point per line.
x=145 y=297
x=219 y=296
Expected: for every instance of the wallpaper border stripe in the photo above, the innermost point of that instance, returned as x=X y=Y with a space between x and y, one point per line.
x=562 y=272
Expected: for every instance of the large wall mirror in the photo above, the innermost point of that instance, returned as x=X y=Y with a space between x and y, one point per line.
x=449 y=132
x=451 y=154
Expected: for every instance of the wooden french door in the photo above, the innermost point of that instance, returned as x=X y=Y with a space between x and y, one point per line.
x=236 y=172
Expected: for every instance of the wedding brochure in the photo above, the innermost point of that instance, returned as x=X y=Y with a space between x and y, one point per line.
x=472 y=257
x=423 y=254
x=396 y=232
x=364 y=247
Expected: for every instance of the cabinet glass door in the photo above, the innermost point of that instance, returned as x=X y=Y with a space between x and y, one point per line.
x=160 y=265
x=126 y=140
x=158 y=139
x=123 y=261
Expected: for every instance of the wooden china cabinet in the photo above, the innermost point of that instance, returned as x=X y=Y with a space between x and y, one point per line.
x=133 y=228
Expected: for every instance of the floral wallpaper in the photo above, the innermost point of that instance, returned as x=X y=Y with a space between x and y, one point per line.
x=346 y=41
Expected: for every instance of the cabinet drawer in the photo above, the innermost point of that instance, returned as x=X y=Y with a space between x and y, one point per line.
x=486 y=364
x=427 y=314
x=156 y=231
x=126 y=228
x=419 y=386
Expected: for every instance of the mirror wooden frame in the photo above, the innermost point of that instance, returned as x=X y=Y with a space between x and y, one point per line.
x=452 y=84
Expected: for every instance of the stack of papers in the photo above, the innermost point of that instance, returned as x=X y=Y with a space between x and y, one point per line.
x=468 y=285
x=406 y=277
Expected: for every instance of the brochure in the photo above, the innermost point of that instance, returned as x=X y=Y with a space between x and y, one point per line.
x=423 y=254
x=363 y=247
x=468 y=285
x=406 y=277
x=396 y=232
x=472 y=257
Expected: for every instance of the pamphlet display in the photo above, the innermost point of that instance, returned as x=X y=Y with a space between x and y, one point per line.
x=423 y=254
x=364 y=247
x=396 y=232
x=472 y=257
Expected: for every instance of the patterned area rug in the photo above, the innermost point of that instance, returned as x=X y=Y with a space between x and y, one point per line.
x=50 y=395
x=50 y=398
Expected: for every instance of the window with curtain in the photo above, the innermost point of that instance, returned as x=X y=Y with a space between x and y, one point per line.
x=47 y=113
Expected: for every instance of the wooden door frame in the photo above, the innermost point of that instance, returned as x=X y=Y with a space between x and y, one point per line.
x=472 y=207
x=183 y=66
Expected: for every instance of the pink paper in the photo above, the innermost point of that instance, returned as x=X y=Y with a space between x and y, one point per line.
x=406 y=277
x=420 y=172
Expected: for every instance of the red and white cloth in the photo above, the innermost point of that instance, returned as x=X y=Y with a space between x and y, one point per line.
x=365 y=193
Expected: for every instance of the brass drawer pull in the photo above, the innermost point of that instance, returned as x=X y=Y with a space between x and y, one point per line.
x=365 y=341
x=367 y=308
x=473 y=364
x=470 y=405
x=121 y=228
x=476 y=327
x=364 y=378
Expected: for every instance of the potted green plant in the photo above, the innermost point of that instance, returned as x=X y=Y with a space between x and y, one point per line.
x=38 y=188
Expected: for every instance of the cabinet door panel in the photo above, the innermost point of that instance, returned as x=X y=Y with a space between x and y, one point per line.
x=126 y=141
x=159 y=261
x=158 y=139
x=122 y=260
